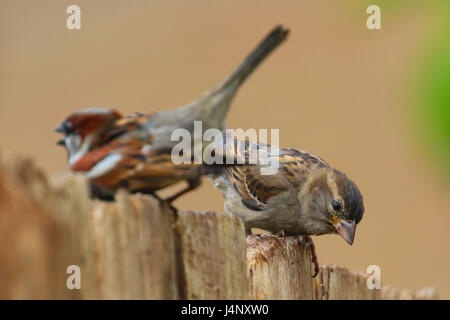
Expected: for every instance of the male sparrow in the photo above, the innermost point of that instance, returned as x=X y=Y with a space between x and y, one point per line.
x=89 y=128
x=136 y=167
x=304 y=197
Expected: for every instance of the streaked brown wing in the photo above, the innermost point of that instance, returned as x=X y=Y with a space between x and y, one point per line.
x=130 y=126
x=256 y=189
x=295 y=164
x=154 y=170
x=133 y=120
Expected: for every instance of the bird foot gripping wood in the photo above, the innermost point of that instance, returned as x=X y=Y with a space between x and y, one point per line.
x=308 y=241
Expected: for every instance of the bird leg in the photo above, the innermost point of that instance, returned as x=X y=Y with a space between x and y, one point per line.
x=192 y=184
x=162 y=201
x=308 y=240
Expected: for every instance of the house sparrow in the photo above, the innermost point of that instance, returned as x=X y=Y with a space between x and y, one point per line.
x=304 y=197
x=89 y=128
x=136 y=167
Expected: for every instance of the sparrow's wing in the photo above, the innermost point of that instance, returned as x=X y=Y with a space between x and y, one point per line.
x=257 y=189
x=129 y=164
x=130 y=127
x=155 y=170
x=110 y=163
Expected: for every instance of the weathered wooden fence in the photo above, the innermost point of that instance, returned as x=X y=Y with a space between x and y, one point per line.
x=134 y=248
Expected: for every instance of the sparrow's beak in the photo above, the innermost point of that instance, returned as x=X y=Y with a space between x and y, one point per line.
x=61 y=142
x=346 y=230
x=61 y=128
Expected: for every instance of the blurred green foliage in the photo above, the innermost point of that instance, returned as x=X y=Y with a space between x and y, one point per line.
x=431 y=92
x=434 y=102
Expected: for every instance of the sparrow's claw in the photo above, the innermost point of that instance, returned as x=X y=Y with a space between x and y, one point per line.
x=310 y=242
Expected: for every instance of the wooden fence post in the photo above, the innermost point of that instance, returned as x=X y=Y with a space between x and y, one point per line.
x=37 y=243
x=338 y=283
x=211 y=253
x=279 y=268
x=137 y=248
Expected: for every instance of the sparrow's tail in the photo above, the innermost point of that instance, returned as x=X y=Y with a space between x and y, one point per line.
x=212 y=107
x=220 y=96
x=226 y=89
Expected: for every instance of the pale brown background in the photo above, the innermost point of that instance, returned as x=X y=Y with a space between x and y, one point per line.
x=334 y=88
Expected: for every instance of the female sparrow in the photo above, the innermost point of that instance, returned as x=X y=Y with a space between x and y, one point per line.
x=89 y=128
x=304 y=197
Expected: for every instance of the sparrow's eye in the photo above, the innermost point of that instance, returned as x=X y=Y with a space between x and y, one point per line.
x=68 y=127
x=337 y=206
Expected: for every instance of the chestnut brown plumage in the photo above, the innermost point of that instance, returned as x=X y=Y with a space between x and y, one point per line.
x=136 y=167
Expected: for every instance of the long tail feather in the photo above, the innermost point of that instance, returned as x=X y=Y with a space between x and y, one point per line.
x=251 y=62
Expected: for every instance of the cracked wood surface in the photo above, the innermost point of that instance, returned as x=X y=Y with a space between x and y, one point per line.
x=136 y=248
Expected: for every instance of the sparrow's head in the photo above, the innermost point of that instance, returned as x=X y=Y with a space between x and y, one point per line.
x=334 y=202
x=85 y=129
